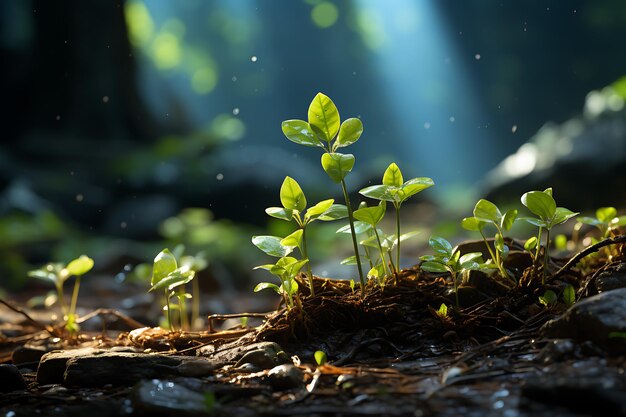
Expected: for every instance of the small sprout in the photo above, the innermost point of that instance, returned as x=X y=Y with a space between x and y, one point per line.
x=447 y=259
x=606 y=220
x=352 y=285
x=395 y=190
x=569 y=295
x=325 y=130
x=372 y=216
x=542 y=204
x=548 y=298
x=320 y=357
x=443 y=311
x=286 y=269
x=560 y=242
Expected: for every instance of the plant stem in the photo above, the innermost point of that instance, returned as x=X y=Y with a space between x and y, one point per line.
x=353 y=232
x=169 y=310
x=182 y=309
x=536 y=260
x=75 y=296
x=456 y=288
x=195 y=302
x=545 y=259
x=382 y=252
x=308 y=264
x=398 y=237
x=62 y=299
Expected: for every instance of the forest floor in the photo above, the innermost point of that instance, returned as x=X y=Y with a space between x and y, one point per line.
x=390 y=353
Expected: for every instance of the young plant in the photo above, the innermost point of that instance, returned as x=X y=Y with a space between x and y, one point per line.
x=286 y=269
x=542 y=204
x=395 y=190
x=372 y=216
x=325 y=131
x=606 y=220
x=447 y=259
x=548 y=298
x=487 y=213
x=58 y=274
x=166 y=276
x=294 y=204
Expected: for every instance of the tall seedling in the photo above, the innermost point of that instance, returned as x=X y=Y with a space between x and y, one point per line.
x=324 y=130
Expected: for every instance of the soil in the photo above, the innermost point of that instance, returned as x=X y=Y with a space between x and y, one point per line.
x=389 y=352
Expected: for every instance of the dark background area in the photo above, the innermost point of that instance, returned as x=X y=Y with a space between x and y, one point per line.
x=118 y=115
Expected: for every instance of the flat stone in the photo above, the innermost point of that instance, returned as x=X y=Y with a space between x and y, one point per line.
x=52 y=364
x=28 y=354
x=597 y=318
x=264 y=355
x=284 y=377
x=162 y=397
x=11 y=379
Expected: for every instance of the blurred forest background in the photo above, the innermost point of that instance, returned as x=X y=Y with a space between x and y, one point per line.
x=134 y=125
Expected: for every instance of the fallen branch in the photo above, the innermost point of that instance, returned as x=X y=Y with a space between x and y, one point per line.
x=588 y=251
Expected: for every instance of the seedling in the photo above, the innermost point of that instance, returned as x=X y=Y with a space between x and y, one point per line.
x=372 y=216
x=324 y=130
x=320 y=357
x=443 y=311
x=294 y=204
x=166 y=276
x=487 y=213
x=569 y=295
x=58 y=274
x=548 y=298
x=447 y=259
x=395 y=190
x=286 y=269
x=606 y=220
x=542 y=204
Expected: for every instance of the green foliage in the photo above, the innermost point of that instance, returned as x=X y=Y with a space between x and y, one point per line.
x=57 y=273
x=543 y=205
x=320 y=357
x=486 y=213
x=569 y=295
x=325 y=130
x=606 y=220
x=443 y=311
x=286 y=269
x=395 y=190
x=447 y=259
x=548 y=298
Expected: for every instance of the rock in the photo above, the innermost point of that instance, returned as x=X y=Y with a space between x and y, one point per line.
x=599 y=318
x=284 y=377
x=159 y=397
x=28 y=354
x=52 y=364
x=611 y=279
x=263 y=355
x=11 y=379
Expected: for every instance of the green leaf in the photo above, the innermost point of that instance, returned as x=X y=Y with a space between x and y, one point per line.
x=534 y=221
x=569 y=295
x=470 y=266
x=173 y=280
x=499 y=242
x=271 y=246
x=337 y=165
x=618 y=221
x=317 y=210
x=335 y=212
x=606 y=214
x=562 y=215
x=300 y=132
x=291 y=195
x=164 y=264
x=531 y=243
x=540 y=203
x=432 y=266
x=468 y=257
x=378 y=192
x=589 y=220
x=508 y=219
x=548 y=298
x=371 y=215
x=473 y=224
x=266 y=285
x=320 y=357
x=443 y=310
x=293 y=240
x=393 y=176
x=377 y=272
x=487 y=211
x=280 y=213
x=350 y=260
x=294 y=268
x=359 y=227
x=324 y=116
x=290 y=286
x=440 y=245
x=80 y=266
x=414 y=186
x=370 y=242
x=349 y=132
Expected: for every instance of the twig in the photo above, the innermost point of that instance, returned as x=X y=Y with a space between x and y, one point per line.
x=25 y=314
x=588 y=251
x=134 y=324
x=233 y=316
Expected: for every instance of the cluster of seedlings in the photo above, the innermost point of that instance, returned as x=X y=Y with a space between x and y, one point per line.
x=172 y=271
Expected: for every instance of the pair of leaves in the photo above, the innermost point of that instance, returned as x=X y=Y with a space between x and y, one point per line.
x=286 y=268
x=337 y=165
x=446 y=259
x=371 y=215
x=272 y=246
x=323 y=125
x=605 y=217
x=485 y=212
x=550 y=298
x=166 y=274
x=58 y=273
x=394 y=189
x=543 y=205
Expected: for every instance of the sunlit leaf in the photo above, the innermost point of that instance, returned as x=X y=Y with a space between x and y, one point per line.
x=540 y=203
x=280 y=213
x=473 y=224
x=606 y=214
x=531 y=243
x=569 y=295
x=335 y=212
x=548 y=298
x=349 y=132
x=300 y=132
x=371 y=215
x=291 y=195
x=164 y=264
x=320 y=357
x=393 y=176
x=324 y=116
x=293 y=240
x=378 y=192
x=359 y=227
x=80 y=266
x=562 y=215
x=432 y=266
x=487 y=211
x=508 y=219
x=173 y=280
x=317 y=210
x=414 y=186
x=440 y=245
x=470 y=257
x=265 y=285
x=337 y=165
x=271 y=246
